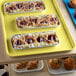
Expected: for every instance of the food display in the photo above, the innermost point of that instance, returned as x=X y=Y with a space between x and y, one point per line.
x=55 y=63
x=72 y=3
x=26 y=6
x=28 y=66
x=41 y=21
x=34 y=40
x=69 y=63
x=62 y=65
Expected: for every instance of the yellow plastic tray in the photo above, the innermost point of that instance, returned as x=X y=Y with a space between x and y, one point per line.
x=10 y=28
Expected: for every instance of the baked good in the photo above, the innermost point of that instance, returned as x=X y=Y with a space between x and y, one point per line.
x=73 y=3
x=32 y=65
x=69 y=63
x=37 y=21
x=55 y=63
x=39 y=5
x=34 y=40
x=25 y=6
x=21 y=65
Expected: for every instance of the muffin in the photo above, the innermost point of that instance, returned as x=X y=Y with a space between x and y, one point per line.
x=72 y=3
x=69 y=63
x=55 y=63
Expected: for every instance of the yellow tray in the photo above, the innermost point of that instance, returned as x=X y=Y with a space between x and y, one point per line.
x=10 y=28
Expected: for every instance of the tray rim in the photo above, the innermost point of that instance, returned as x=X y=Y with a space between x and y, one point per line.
x=71 y=39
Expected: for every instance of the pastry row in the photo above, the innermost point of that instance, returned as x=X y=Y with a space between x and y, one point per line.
x=38 y=21
x=26 y=6
x=29 y=64
x=68 y=63
x=34 y=40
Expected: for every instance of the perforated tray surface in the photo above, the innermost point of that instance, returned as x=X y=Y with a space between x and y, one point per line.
x=65 y=38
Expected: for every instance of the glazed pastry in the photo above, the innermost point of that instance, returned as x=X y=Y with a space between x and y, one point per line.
x=69 y=63
x=21 y=65
x=34 y=40
x=32 y=65
x=55 y=63
x=43 y=21
x=37 y=21
x=52 y=20
x=39 y=5
x=23 y=22
x=73 y=3
x=26 y=6
x=10 y=8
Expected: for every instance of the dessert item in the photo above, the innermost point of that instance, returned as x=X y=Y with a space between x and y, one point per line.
x=10 y=8
x=34 y=40
x=73 y=3
x=28 y=65
x=21 y=65
x=52 y=20
x=26 y=6
x=43 y=21
x=39 y=5
x=55 y=63
x=69 y=63
x=37 y=21
x=32 y=65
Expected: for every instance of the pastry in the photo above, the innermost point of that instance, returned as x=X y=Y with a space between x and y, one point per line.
x=21 y=65
x=37 y=21
x=25 y=6
x=32 y=65
x=39 y=5
x=28 y=6
x=73 y=3
x=69 y=63
x=34 y=40
x=55 y=63
x=53 y=20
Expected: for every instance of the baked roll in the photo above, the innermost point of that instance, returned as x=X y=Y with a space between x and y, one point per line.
x=69 y=63
x=55 y=63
